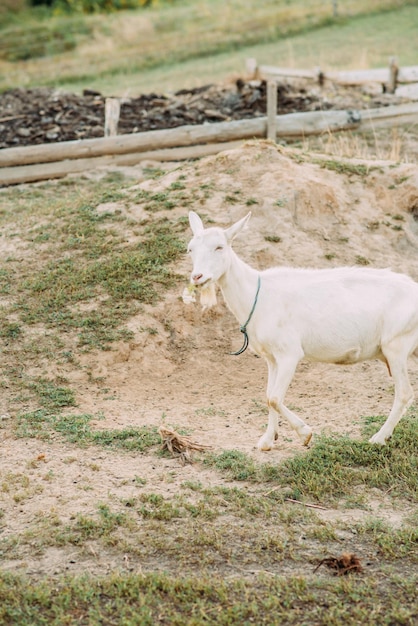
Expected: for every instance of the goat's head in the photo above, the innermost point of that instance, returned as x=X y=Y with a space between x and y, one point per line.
x=210 y=249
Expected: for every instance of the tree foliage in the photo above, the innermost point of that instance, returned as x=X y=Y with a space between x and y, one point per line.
x=93 y=6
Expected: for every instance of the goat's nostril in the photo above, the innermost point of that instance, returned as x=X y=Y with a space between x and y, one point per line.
x=196 y=277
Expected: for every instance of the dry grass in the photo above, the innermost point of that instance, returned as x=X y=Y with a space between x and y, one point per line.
x=180 y=446
x=398 y=144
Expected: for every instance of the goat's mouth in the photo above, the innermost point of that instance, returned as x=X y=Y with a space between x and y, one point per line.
x=204 y=283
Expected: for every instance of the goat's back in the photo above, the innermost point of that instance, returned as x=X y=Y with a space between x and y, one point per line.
x=338 y=315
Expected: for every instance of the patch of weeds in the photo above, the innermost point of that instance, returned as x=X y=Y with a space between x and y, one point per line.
x=86 y=528
x=52 y=396
x=192 y=485
x=251 y=201
x=231 y=198
x=335 y=465
x=237 y=464
x=151 y=330
x=392 y=543
x=19 y=487
x=272 y=238
x=210 y=411
x=155 y=506
x=398 y=181
x=344 y=167
x=176 y=185
x=240 y=502
x=76 y=429
x=139 y=439
x=163 y=200
x=7 y=277
x=153 y=172
x=159 y=202
x=125 y=277
x=34 y=424
x=10 y=330
x=361 y=260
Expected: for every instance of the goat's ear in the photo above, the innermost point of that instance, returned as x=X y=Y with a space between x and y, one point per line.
x=196 y=223
x=233 y=230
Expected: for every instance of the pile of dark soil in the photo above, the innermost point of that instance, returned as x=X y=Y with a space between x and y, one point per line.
x=34 y=116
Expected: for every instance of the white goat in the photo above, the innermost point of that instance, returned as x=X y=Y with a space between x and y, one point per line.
x=342 y=315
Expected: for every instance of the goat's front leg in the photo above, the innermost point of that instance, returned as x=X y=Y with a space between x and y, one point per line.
x=272 y=432
x=280 y=377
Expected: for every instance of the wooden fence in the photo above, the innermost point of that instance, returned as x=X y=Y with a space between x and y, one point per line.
x=390 y=78
x=45 y=161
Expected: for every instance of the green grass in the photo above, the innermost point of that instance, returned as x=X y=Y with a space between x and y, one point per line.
x=39 y=35
x=184 y=43
x=343 y=167
x=334 y=466
x=84 y=257
x=158 y=598
x=44 y=424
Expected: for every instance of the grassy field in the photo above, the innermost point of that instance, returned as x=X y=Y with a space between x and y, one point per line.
x=187 y=44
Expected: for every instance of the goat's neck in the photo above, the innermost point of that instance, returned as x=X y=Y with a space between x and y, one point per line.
x=239 y=286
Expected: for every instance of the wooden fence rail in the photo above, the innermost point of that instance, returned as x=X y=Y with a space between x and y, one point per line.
x=40 y=162
x=390 y=76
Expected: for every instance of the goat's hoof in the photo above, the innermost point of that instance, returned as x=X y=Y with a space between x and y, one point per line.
x=307 y=440
x=306 y=435
x=378 y=439
x=264 y=446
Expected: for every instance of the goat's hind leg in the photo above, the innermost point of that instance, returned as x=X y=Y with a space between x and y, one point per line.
x=280 y=377
x=397 y=357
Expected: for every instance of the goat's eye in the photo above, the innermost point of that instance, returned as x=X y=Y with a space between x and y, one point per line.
x=219 y=248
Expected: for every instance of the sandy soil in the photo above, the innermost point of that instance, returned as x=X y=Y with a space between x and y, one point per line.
x=184 y=377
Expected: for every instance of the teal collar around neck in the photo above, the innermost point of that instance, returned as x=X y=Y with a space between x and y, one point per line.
x=243 y=328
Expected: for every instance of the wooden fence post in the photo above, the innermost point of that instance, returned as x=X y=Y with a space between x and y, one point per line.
x=251 y=68
x=271 y=109
x=393 y=75
x=112 y=112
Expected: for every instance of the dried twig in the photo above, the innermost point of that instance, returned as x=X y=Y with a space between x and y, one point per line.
x=180 y=445
x=310 y=506
x=346 y=563
x=10 y=117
